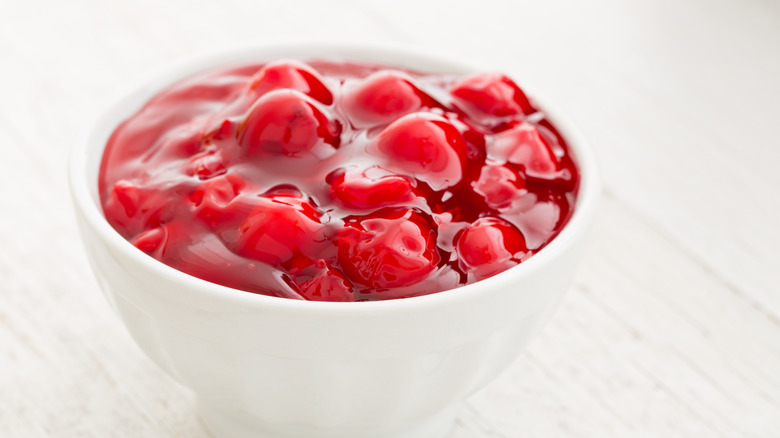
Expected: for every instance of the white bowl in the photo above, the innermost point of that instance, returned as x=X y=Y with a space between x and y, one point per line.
x=266 y=366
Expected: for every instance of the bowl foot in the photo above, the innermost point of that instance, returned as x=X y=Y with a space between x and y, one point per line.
x=241 y=425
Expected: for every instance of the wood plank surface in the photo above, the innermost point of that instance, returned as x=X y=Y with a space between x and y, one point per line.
x=672 y=327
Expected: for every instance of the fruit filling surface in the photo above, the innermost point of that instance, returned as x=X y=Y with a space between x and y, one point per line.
x=332 y=180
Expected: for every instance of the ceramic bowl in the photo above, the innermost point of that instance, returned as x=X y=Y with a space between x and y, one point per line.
x=263 y=366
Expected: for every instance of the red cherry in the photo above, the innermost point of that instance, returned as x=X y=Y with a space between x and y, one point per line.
x=322 y=282
x=280 y=228
x=498 y=185
x=391 y=248
x=492 y=94
x=426 y=147
x=131 y=209
x=369 y=189
x=286 y=122
x=213 y=196
x=382 y=97
x=524 y=145
x=293 y=75
x=489 y=246
x=422 y=177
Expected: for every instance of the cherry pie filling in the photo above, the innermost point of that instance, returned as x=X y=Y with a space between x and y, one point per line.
x=338 y=181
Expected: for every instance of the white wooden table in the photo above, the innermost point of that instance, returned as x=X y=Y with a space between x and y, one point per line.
x=673 y=325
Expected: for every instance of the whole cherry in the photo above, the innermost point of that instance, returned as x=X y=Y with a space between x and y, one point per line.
x=281 y=228
x=286 y=122
x=523 y=144
x=489 y=246
x=390 y=248
x=370 y=188
x=499 y=185
x=293 y=75
x=382 y=97
x=425 y=146
x=492 y=94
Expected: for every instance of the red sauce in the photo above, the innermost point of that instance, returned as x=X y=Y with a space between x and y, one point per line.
x=338 y=181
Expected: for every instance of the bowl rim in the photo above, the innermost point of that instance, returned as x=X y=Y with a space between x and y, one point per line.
x=402 y=56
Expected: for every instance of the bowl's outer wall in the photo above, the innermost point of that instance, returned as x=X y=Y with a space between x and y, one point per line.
x=332 y=368
x=324 y=368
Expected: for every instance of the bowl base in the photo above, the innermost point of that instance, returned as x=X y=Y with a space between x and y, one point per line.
x=231 y=425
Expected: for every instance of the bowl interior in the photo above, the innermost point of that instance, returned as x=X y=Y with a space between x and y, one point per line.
x=86 y=158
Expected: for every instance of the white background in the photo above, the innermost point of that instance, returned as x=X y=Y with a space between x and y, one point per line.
x=672 y=327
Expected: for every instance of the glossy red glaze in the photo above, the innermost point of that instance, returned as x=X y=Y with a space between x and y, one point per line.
x=338 y=181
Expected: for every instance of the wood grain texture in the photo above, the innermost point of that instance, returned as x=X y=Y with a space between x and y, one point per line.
x=673 y=325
